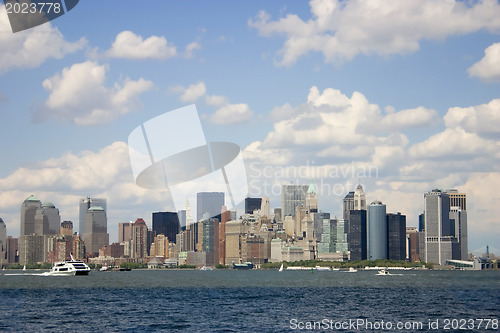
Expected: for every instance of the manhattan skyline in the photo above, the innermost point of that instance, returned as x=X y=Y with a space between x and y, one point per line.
x=293 y=84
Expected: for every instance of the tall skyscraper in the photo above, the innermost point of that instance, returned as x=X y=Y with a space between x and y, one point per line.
x=348 y=205
x=125 y=232
x=312 y=199
x=457 y=199
x=291 y=197
x=377 y=231
x=47 y=220
x=96 y=229
x=265 y=207
x=139 y=239
x=252 y=204
x=66 y=228
x=439 y=245
x=85 y=204
x=3 y=242
x=12 y=250
x=166 y=223
x=182 y=218
x=28 y=211
x=209 y=202
x=357 y=236
x=211 y=240
x=359 y=198
x=396 y=236
x=458 y=220
x=225 y=217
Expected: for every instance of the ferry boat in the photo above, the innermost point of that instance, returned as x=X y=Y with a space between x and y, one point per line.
x=383 y=272
x=80 y=267
x=60 y=269
x=245 y=265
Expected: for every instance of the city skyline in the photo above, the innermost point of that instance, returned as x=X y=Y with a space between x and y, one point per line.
x=402 y=109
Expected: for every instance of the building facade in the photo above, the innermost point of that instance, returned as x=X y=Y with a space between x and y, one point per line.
x=166 y=223
x=396 y=236
x=209 y=202
x=357 y=236
x=291 y=197
x=377 y=231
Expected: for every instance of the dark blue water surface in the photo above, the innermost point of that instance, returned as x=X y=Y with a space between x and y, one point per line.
x=247 y=301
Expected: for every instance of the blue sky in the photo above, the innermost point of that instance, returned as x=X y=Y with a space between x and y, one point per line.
x=409 y=88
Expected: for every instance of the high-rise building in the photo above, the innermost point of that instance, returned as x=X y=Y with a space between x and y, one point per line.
x=209 y=202
x=457 y=199
x=252 y=204
x=182 y=218
x=225 y=217
x=66 y=228
x=291 y=197
x=357 y=237
x=32 y=249
x=439 y=244
x=96 y=229
x=160 y=246
x=125 y=232
x=47 y=220
x=328 y=237
x=85 y=204
x=348 y=205
x=166 y=223
x=265 y=207
x=139 y=239
x=312 y=199
x=421 y=222
x=12 y=250
x=340 y=231
x=412 y=251
x=458 y=220
x=211 y=240
x=377 y=231
x=359 y=198
x=396 y=236
x=3 y=242
x=28 y=211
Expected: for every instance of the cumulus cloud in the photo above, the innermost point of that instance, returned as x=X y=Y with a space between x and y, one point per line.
x=483 y=119
x=231 y=114
x=191 y=48
x=488 y=68
x=191 y=93
x=389 y=27
x=79 y=95
x=132 y=46
x=30 y=48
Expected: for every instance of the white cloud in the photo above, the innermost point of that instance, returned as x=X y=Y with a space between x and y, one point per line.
x=30 y=48
x=341 y=30
x=191 y=48
x=231 y=114
x=483 y=119
x=216 y=100
x=131 y=46
x=488 y=68
x=78 y=95
x=193 y=92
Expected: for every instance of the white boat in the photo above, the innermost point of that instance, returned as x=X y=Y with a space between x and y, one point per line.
x=351 y=270
x=281 y=268
x=24 y=267
x=320 y=268
x=80 y=266
x=60 y=269
x=383 y=272
x=103 y=268
x=206 y=268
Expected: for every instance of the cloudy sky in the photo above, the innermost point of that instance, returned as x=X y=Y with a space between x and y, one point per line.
x=401 y=96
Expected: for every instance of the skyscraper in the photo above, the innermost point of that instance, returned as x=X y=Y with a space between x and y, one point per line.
x=209 y=202
x=139 y=239
x=125 y=232
x=359 y=198
x=252 y=204
x=439 y=245
x=265 y=207
x=96 y=229
x=3 y=242
x=396 y=236
x=28 y=211
x=47 y=220
x=457 y=199
x=312 y=199
x=211 y=240
x=166 y=223
x=348 y=205
x=458 y=220
x=357 y=236
x=85 y=204
x=377 y=231
x=291 y=197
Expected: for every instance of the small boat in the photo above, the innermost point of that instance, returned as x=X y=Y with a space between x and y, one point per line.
x=320 y=268
x=206 y=268
x=24 y=267
x=351 y=270
x=245 y=265
x=281 y=268
x=104 y=268
x=383 y=272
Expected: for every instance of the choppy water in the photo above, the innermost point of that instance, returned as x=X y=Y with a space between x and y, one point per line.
x=243 y=301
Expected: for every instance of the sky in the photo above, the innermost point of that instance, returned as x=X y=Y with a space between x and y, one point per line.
x=400 y=96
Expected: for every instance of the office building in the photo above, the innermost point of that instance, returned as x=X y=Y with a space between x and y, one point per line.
x=85 y=204
x=458 y=220
x=377 y=231
x=32 y=249
x=265 y=207
x=252 y=204
x=47 y=220
x=312 y=199
x=225 y=217
x=3 y=242
x=209 y=202
x=457 y=199
x=66 y=228
x=412 y=251
x=439 y=244
x=96 y=230
x=125 y=232
x=291 y=197
x=12 y=249
x=28 y=211
x=182 y=218
x=359 y=198
x=166 y=223
x=340 y=236
x=211 y=240
x=396 y=236
x=348 y=205
x=357 y=237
